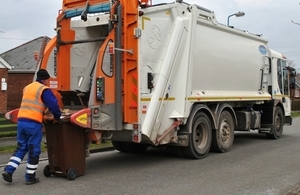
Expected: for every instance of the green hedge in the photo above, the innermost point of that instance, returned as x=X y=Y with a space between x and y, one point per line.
x=7 y=127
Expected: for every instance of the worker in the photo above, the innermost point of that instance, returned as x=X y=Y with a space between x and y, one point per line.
x=37 y=97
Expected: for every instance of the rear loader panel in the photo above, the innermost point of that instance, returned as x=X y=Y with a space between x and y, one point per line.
x=165 y=34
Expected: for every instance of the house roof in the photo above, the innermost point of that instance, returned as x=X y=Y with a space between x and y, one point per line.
x=4 y=64
x=22 y=58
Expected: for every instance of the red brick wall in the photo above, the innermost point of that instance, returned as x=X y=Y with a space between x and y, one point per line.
x=3 y=94
x=15 y=84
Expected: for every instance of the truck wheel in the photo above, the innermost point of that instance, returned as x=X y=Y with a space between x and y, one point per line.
x=277 y=125
x=200 y=137
x=223 y=136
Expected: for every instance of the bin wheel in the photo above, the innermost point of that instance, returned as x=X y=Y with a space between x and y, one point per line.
x=71 y=174
x=46 y=171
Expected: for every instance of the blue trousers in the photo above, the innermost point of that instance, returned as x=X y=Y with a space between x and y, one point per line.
x=29 y=135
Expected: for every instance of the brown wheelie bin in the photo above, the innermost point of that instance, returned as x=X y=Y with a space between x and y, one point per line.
x=66 y=150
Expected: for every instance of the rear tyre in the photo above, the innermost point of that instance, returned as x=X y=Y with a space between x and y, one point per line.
x=223 y=136
x=278 y=122
x=200 y=137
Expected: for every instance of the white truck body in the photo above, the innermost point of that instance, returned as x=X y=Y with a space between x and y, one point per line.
x=195 y=59
x=191 y=80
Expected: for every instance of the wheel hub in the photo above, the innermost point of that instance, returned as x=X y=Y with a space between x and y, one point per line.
x=225 y=133
x=200 y=136
x=278 y=123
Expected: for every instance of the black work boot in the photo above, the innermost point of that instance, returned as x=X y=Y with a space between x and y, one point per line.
x=36 y=180
x=7 y=176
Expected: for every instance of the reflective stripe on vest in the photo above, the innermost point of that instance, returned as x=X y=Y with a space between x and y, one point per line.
x=32 y=106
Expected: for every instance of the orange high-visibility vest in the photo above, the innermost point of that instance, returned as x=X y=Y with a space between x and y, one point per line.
x=32 y=106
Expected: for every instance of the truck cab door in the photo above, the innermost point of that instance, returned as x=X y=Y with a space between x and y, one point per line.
x=283 y=83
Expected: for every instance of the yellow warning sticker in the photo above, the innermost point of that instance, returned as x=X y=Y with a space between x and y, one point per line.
x=82 y=119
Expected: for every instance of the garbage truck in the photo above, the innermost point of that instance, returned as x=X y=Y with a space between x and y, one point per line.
x=141 y=74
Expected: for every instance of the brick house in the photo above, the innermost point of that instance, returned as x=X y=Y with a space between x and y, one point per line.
x=18 y=65
x=4 y=67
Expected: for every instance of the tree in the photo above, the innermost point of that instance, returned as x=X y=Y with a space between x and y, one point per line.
x=291 y=63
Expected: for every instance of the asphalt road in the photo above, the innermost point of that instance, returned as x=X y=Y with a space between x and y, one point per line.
x=254 y=166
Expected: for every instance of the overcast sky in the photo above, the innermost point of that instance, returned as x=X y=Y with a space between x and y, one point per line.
x=24 y=20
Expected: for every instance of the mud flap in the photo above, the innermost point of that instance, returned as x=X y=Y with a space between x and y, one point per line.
x=288 y=120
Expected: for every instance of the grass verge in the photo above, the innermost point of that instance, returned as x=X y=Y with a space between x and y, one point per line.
x=102 y=145
x=7 y=149
x=295 y=113
x=11 y=148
